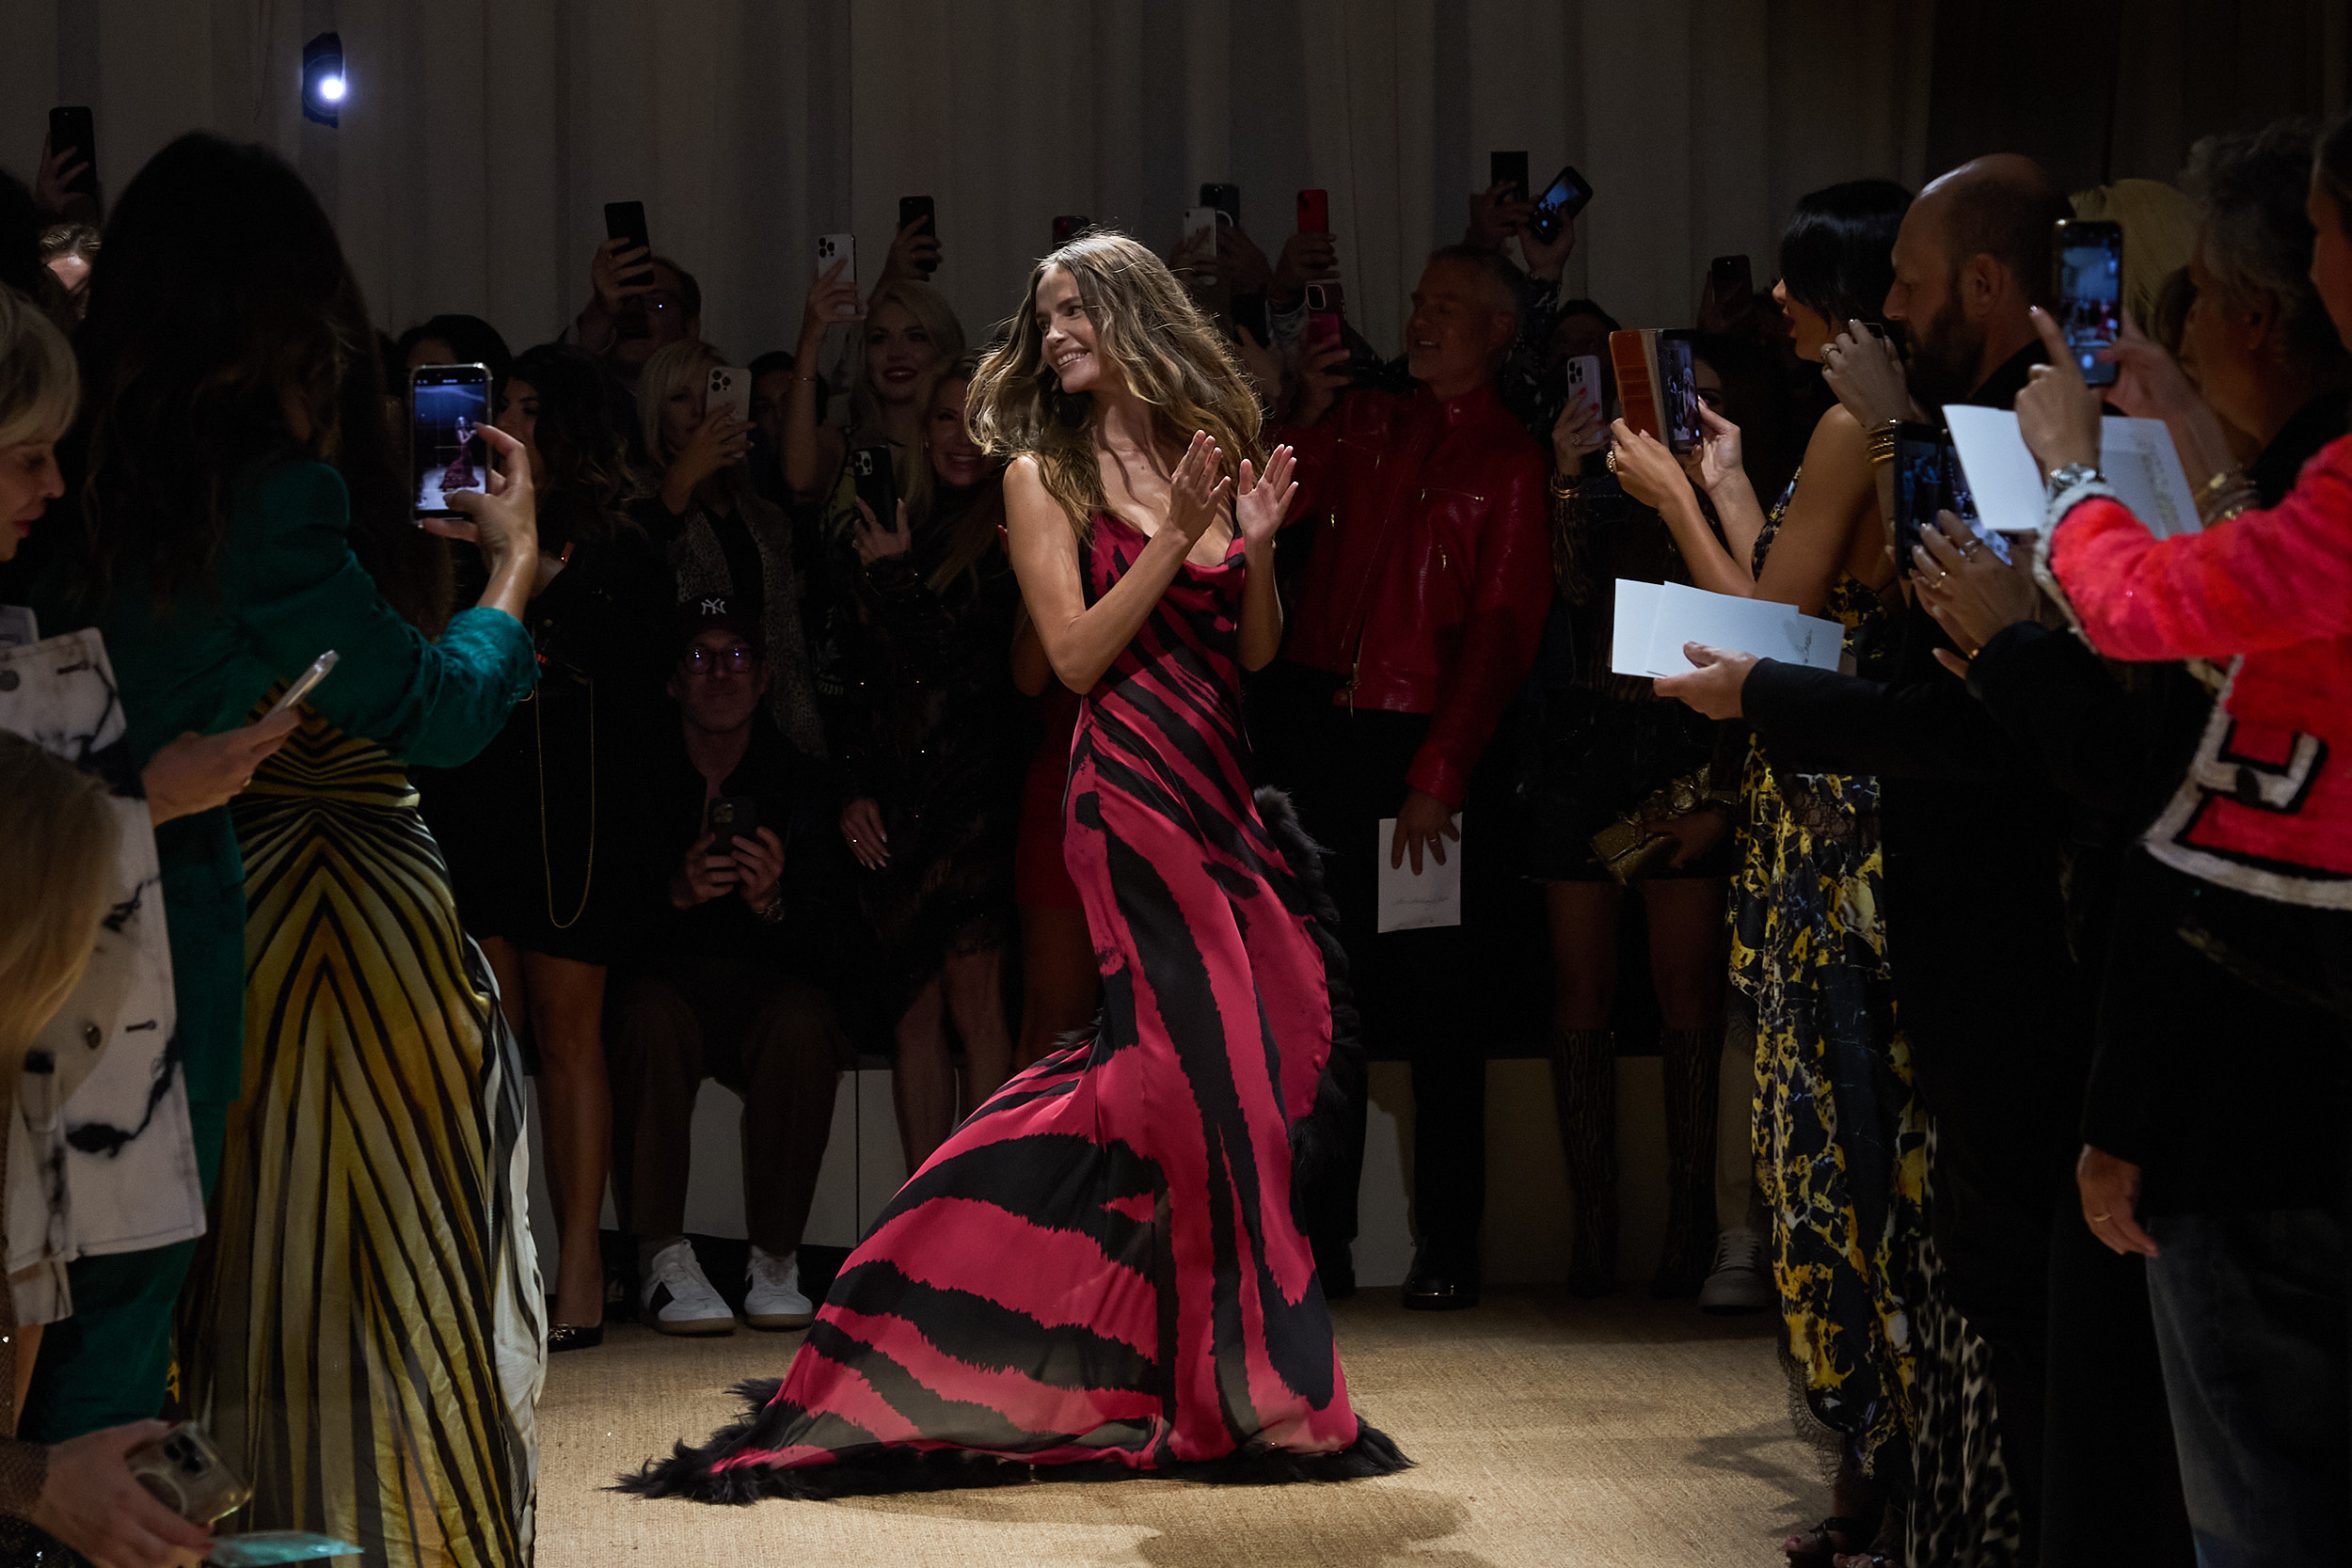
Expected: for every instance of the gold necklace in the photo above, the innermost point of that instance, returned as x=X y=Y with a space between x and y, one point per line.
x=547 y=866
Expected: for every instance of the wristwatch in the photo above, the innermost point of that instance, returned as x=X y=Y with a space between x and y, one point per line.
x=2065 y=479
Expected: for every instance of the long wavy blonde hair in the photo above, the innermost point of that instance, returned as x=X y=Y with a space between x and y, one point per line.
x=1169 y=354
x=57 y=847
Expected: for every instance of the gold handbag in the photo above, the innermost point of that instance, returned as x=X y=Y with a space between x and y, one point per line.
x=1629 y=851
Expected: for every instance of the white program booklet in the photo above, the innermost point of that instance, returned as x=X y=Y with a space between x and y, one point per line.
x=1410 y=903
x=1656 y=619
x=2134 y=455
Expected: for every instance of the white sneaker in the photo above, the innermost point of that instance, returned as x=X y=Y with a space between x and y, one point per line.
x=675 y=1297
x=1738 y=1281
x=775 y=1300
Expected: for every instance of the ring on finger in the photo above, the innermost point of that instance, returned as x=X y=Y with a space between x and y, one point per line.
x=2097 y=1218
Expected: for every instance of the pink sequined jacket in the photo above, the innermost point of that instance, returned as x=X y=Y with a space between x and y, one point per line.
x=2266 y=808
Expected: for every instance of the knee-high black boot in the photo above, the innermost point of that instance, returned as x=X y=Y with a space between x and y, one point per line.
x=1694 y=1061
x=1584 y=1091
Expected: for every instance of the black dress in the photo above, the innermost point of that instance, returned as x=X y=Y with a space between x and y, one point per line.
x=539 y=828
x=1594 y=743
x=932 y=729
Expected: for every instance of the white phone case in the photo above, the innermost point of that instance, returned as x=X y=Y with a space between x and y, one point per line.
x=1201 y=234
x=729 y=388
x=1584 y=377
x=832 y=249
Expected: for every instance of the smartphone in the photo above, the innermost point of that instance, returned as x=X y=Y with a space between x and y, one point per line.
x=1584 y=371
x=72 y=127
x=1069 y=227
x=1678 y=391
x=734 y=816
x=835 y=247
x=448 y=406
x=1315 y=212
x=187 y=1475
x=1730 y=277
x=1508 y=168
x=1225 y=198
x=1960 y=501
x=304 y=682
x=1199 y=246
x=917 y=209
x=2089 y=257
x=1322 y=314
x=1562 y=200
x=729 y=388
x=1919 y=487
x=876 y=483
x=626 y=220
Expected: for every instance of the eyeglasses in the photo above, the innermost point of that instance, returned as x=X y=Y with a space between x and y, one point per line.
x=735 y=659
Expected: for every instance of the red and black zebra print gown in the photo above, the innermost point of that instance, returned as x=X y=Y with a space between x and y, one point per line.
x=1101 y=1266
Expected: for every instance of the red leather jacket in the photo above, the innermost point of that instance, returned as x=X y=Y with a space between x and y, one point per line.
x=1431 y=572
x=2266 y=807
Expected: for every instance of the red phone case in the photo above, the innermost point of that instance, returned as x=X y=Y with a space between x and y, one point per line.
x=1315 y=212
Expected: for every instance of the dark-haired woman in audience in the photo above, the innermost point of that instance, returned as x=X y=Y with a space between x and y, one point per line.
x=538 y=827
x=1841 y=1155
x=936 y=742
x=1620 y=790
x=362 y=1334
x=720 y=537
x=456 y=339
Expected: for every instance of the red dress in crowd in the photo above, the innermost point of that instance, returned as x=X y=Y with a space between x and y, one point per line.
x=1101 y=1266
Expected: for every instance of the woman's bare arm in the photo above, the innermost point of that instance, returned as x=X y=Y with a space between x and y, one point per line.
x=1081 y=641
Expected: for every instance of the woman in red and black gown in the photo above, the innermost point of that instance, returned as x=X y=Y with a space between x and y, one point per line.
x=1102 y=1265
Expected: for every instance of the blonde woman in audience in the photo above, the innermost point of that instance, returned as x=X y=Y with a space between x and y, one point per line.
x=56 y=854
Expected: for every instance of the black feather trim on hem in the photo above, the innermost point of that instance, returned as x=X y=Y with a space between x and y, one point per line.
x=1318 y=1137
x=687 y=1473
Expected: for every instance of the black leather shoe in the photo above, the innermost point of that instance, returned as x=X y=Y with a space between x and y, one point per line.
x=1335 y=1265
x=1442 y=1284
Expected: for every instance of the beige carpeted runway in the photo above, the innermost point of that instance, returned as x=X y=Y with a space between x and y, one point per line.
x=1549 y=1431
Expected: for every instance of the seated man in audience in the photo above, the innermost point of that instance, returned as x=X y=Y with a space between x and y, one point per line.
x=738 y=886
x=1423 y=597
x=636 y=308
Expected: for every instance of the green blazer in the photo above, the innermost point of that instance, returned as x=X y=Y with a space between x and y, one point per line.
x=287 y=589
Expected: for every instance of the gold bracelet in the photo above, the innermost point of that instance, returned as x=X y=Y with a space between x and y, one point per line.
x=1568 y=489
x=2234 y=471
x=1883 y=439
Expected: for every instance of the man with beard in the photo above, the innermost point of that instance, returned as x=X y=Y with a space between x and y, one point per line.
x=1997 y=1011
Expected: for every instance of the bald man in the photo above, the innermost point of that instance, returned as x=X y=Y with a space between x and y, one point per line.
x=1997 y=1011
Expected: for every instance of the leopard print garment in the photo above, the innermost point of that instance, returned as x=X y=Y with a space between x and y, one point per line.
x=1964 y=1511
x=1840 y=1137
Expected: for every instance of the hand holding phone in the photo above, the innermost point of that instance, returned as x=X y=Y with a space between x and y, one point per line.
x=70 y=167
x=730 y=389
x=449 y=406
x=2089 y=258
x=1563 y=200
x=876 y=483
x=304 y=683
x=838 y=251
x=625 y=232
x=1506 y=175
x=915 y=250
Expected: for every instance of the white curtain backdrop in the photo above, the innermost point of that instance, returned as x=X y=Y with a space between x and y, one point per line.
x=480 y=139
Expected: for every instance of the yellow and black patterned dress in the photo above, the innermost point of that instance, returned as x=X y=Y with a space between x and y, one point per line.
x=367 y=1338
x=1840 y=1137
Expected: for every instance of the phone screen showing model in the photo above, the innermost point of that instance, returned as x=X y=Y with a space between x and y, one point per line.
x=1920 y=478
x=2090 y=294
x=1562 y=200
x=1678 y=391
x=449 y=404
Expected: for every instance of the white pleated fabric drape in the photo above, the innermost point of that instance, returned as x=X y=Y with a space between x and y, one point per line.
x=480 y=139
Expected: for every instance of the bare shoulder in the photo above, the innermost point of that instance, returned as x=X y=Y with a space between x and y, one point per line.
x=1837 y=431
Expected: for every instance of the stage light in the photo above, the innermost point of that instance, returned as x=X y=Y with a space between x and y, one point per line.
x=323 y=85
